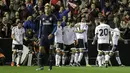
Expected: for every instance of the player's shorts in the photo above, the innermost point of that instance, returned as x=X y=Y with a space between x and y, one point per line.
x=68 y=47
x=59 y=45
x=17 y=47
x=86 y=47
x=80 y=43
x=116 y=48
x=104 y=47
x=44 y=41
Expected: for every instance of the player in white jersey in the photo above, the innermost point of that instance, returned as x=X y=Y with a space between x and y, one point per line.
x=81 y=34
x=102 y=35
x=17 y=36
x=59 y=43
x=69 y=38
x=114 y=51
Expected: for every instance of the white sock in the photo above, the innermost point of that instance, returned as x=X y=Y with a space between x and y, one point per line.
x=63 y=60
x=59 y=59
x=56 y=59
x=107 y=57
x=86 y=60
x=103 y=59
x=13 y=57
x=18 y=60
x=118 y=60
x=80 y=57
x=76 y=58
x=72 y=58
x=99 y=58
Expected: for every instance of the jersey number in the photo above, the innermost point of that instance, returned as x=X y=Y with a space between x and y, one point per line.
x=103 y=32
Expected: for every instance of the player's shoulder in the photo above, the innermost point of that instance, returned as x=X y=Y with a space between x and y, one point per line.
x=13 y=28
x=116 y=30
x=106 y=25
x=98 y=26
x=42 y=16
x=54 y=16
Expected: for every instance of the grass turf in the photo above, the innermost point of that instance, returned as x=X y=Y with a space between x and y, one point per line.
x=32 y=69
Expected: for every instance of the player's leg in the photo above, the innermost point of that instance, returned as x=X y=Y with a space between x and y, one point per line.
x=56 y=57
x=86 y=54
x=41 y=54
x=19 y=53
x=103 y=59
x=41 y=57
x=64 y=54
x=81 y=50
x=58 y=54
x=73 y=50
x=51 y=56
x=76 y=55
x=13 y=54
x=118 y=58
x=99 y=58
x=107 y=56
x=63 y=58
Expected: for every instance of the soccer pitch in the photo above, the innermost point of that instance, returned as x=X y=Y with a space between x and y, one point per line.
x=31 y=69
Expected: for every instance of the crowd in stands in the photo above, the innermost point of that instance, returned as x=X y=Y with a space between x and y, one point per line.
x=116 y=13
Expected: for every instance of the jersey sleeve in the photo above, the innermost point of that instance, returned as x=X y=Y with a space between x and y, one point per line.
x=40 y=29
x=13 y=30
x=54 y=20
x=96 y=30
x=85 y=27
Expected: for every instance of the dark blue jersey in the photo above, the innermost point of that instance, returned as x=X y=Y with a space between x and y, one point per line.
x=47 y=24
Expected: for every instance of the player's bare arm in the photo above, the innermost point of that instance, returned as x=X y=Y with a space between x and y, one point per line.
x=95 y=38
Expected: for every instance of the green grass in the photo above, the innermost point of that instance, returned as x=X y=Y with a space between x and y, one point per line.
x=26 y=69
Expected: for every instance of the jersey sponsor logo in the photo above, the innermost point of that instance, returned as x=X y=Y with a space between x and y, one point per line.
x=46 y=23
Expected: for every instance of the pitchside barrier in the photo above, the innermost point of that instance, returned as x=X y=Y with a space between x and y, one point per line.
x=124 y=49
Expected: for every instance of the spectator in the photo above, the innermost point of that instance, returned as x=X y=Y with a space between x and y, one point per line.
x=29 y=24
x=29 y=6
x=23 y=12
x=6 y=31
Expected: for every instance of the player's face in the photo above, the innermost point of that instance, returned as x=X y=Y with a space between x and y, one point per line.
x=83 y=20
x=19 y=25
x=59 y=23
x=47 y=10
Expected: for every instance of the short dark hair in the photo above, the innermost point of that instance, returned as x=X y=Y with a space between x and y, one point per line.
x=20 y=22
x=102 y=19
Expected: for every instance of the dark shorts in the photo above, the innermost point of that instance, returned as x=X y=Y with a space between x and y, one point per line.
x=104 y=47
x=86 y=47
x=80 y=43
x=19 y=47
x=44 y=41
x=116 y=48
x=68 y=47
x=59 y=45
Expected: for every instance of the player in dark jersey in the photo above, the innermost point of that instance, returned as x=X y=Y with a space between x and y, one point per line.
x=46 y=31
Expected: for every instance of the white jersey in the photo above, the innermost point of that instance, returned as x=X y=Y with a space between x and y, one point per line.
x=18 y=34
x=115 y=36
x=103 y=33
x=58 y=35
x=68 y=35
x=86 y=32
x=82 y=26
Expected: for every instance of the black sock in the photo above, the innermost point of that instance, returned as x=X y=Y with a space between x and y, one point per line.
x=50 y=61
x=40 y=59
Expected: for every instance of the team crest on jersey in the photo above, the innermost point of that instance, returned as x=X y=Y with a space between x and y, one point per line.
x=43 y=19
x=50 y=18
